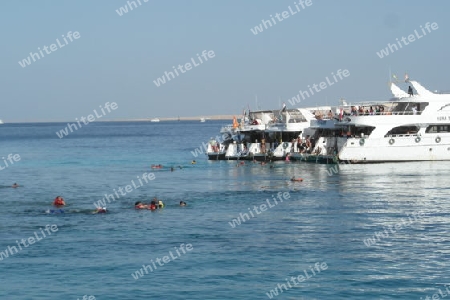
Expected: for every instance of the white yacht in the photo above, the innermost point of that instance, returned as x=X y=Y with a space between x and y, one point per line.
x=413 y=126
x=246 y=136
x=284 y=132
x=1 y=122
x=154 y=120
x=263 y=135
x=202 y=120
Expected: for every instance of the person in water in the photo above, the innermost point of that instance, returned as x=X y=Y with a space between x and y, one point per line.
x=59 y=201
x=152 y=205
x=140 y=205
x=55 y=211
x=193 y=162
x=15 y=185
x=182 y=203
x=100 y=210
x=296 y=179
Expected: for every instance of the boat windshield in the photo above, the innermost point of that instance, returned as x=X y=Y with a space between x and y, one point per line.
x=403 y=130
x=408 y=108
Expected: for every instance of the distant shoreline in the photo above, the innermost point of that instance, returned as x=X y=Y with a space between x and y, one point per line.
x=207 y=118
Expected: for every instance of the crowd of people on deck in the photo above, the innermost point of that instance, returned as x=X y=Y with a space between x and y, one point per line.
x=368 y=111
x=303 y=145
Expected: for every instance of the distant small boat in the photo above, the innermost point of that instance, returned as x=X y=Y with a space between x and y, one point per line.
x=1 y=122
x=202 y=120
x=154 y=120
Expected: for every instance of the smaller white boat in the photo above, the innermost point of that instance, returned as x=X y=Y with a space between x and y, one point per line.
x=154 y=120
x=203 y=120
x=1 y=122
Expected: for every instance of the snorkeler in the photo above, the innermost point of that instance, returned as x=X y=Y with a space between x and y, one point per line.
x=296 y=179
x=100 y=210
x=54 y=211
x=140 y=205
x=59 y=201
x=193 y=162
x=152 y=205
x=15 y=185
x=182 y=203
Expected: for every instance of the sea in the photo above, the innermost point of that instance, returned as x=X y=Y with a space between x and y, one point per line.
x=375 y=231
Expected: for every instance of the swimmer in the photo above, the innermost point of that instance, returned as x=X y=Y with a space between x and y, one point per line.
x=152 y=206
x=54 y=211
x=59 y=201
x=172 y=169
x=296 y=179
x=100 y=210
x=193 y=162
x=156 y=166
x=182 y=203
x=158 y=203
x=140 y=205
x=15 y=185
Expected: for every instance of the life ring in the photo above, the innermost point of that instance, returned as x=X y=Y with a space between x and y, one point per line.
x=438 y=139
x=362 y=141
x=417 y=139
x=391 y=141
x=285 y=145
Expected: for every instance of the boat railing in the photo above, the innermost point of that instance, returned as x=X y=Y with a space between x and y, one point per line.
x=383 y=113
x=227 y=128
x=402 y=135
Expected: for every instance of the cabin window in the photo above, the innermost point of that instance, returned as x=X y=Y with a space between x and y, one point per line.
x=402 y=130
x=437 y=128
x=408 y=108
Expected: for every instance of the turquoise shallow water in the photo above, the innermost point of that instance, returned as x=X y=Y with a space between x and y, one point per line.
x=326 y=219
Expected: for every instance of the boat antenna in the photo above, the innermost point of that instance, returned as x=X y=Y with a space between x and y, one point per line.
x=390 y=75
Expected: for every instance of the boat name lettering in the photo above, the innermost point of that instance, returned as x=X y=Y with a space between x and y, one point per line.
x=442 y=118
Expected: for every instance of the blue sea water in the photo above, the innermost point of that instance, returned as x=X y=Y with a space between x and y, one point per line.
x=326 y=219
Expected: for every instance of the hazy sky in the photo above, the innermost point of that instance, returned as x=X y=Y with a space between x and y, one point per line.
x=118 y=58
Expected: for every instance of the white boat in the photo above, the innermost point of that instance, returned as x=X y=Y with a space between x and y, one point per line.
x=240 y=140
x=154 y=120
x=1 y=122
x=263 y=135
x=410 y=127
x=202 y=120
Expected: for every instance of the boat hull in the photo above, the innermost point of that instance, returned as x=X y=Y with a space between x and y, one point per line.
x=247 y=157
x=216 y=156
x=312 y=158
x=267 y=157
x=396 y=149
